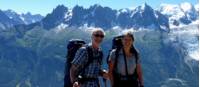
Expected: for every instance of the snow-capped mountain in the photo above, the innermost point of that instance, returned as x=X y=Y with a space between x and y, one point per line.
x=188 y=37
x=22 y=18
x=55 y=18
x=144 y=16
x=184 y=13
x=52 y=20
x=14 y=16
x=189 y=11
x=147 y=17
x=104 y=17
x=184 y=25
x=29 y=18
x=5 y=21
x=107 y=18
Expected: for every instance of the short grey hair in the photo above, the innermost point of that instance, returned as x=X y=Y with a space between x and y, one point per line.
x=98 y=29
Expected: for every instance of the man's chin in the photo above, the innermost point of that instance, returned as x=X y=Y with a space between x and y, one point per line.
x=98 y=42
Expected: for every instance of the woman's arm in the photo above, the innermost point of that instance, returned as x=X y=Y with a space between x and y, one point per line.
x=139 y=72
x=111 y=72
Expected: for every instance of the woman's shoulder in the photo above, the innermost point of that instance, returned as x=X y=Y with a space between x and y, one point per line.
x=113 y=50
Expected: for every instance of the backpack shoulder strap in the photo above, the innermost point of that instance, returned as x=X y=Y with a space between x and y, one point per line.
x=100 y=57
x=90 y=56
x=125 y=61
x=137 y=57
x=116 y=58
x=136 y=61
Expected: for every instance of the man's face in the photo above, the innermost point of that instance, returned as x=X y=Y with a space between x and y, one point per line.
x=97 y=37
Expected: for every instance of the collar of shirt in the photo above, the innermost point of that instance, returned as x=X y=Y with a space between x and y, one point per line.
x=93 y=49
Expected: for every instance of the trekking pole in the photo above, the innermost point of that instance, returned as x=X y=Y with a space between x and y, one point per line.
x=104 y=79
x=105 y=82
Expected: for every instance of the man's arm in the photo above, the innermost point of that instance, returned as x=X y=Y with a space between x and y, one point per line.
x=79 y=60
x=73 y=71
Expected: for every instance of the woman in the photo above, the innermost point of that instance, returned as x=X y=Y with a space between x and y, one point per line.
x=124 y=64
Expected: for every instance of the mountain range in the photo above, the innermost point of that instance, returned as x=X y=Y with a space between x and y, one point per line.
x=143 y=16
x=22 y=18
x=184 y=13
x=104 y=17
x=9 y=18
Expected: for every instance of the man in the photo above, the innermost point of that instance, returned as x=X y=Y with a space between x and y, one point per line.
x=90 y=73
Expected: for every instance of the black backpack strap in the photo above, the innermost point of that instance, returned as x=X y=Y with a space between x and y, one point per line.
x=116 y=59
x=125 y=61
x=137 y=57
x=90 y=56
x=100 y=57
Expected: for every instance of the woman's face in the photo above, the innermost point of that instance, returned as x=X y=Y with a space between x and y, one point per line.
x=127 y=41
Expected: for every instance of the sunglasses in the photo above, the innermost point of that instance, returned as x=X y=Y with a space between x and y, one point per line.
x=98 y=35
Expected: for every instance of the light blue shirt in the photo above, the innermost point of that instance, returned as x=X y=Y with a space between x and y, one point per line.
x=121 y=68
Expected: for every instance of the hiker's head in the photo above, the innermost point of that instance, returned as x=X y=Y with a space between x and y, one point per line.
x=127 y=39
x=97 y=35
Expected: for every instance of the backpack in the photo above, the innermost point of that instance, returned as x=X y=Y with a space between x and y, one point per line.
x=72 y=48
x=116 y=44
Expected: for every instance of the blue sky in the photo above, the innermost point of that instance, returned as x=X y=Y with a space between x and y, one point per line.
x=46 y=6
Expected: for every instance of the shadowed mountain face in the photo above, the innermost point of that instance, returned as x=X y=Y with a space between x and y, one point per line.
x=104 y=17
x=10 y=19
x=34 y=55
x=55 y=18
x=5 y=21
x=27 y=18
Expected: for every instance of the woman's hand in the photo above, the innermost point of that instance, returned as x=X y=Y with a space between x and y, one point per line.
x=106 y=76
x=76 y=84
x=139 y=72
